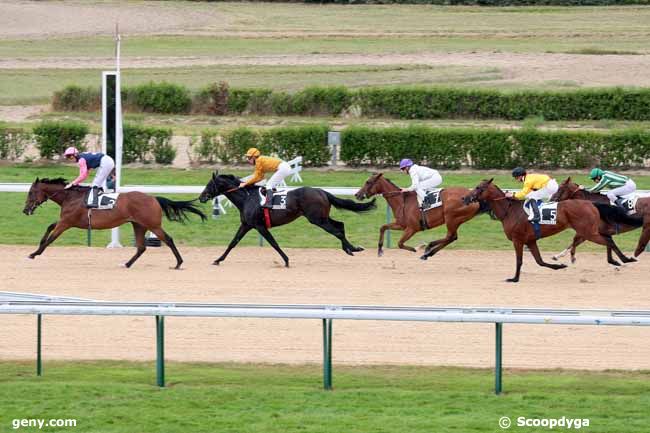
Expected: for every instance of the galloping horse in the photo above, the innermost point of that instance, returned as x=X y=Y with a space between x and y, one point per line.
x=312 y=203
x=143 y=211
x=408 y=216
x=613 y=219
x=580 y=215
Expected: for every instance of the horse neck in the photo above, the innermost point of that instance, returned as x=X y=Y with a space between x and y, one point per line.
x=393 y=200
x=56 y=193
x=592 y=196
x=237 y=197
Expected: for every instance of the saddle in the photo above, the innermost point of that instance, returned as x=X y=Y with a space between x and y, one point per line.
x=104 y=201
x=432 y=199
x=279 y=200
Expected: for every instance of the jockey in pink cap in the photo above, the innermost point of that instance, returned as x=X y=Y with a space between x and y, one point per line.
x=422 y=178
x=88 y=160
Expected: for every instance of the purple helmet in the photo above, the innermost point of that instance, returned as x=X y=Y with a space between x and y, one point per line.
x=405 y=163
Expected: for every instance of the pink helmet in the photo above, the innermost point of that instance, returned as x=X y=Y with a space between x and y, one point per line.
x=70 y=151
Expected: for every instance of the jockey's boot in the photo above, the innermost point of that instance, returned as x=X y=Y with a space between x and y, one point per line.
x=534 y=206
x=619 y=203
x=93 y=197
x=269 y=199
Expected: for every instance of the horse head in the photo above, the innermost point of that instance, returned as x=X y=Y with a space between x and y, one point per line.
x=218 y=184
x=39 y=192
x=567 y=190
x=373 y=186
x=485 y=190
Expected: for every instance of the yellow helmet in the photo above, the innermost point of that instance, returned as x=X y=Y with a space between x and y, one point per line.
x=253 y=152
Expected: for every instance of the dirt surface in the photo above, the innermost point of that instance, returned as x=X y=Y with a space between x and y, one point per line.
x=583 y=70
x=254 y=275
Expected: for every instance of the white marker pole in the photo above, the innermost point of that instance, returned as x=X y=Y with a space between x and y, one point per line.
x=115 y=233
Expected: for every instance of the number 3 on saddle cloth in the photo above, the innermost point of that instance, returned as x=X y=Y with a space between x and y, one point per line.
x=279 y=202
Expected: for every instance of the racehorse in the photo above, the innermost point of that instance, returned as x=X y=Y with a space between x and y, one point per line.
x=614 y=222
x=408 y=216
x=580 y=215
x=312 y=203
x=143 y=211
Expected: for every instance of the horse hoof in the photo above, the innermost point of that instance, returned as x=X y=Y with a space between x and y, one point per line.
x=380 y=253
x=614 y=263
x=31 y=256
x=424 y=257
x=286 y=265
x=631 y=260
x=512 y=280
x=556 y=258
x=216 y=262
x=359 y=249
x=573 y=260
x=556 y=267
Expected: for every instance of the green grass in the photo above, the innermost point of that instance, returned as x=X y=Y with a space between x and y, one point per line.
x=20 y=86
x=480 y=233
x=119 y=396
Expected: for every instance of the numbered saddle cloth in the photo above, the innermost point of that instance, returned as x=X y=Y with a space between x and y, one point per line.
x=107 y=201
x=547 y=212
x=279 y=199
x=432 y=199
x=628 y=202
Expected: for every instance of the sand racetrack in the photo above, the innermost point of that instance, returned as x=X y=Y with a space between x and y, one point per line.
x=253 y=275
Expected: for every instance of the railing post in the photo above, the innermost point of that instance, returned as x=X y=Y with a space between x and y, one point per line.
x=327 y=354
x=497 y=366
x=39 y=333
x=388 y=218
x=160 y=351
x=260 y=239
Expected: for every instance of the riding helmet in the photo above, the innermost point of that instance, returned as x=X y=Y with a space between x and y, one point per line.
x=519 y=171
x=595 y=173
x=253 y=152
x=405 y=163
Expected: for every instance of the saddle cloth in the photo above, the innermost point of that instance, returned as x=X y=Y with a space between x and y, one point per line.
x=279 y=199
x=107 y=201
x=547 y=213
x=628 y=202
x=432 y=199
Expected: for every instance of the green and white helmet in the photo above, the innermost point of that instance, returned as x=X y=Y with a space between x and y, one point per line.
x=596 y=173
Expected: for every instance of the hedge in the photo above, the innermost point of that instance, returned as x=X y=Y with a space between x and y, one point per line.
x=227 y=147
x=52 y=138
x=144 y=143
x=494 y=149
x=464 y=2
x=13 y=142
x=395 y=102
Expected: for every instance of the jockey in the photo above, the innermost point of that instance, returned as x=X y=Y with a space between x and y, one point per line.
x=263 y=165
x=422 y=178
x=87 y=160
x=621 y=185
x=536 y=188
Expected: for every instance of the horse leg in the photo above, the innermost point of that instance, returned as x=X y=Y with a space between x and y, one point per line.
x=271 y=240
x=138 y=232
x=611 y=245
x=408 y=234
x=452 y=235
x=519 y=253
x=48 y=230
x=54 y=234
x=382 y=230
x=534 y=250
x=335 y=228
x=163 y=236
x=643 y=240
x=608 y=242
x=241 y=232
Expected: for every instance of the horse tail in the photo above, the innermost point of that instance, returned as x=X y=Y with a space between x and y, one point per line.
x=177 y=210
x=615 y=215
x=342 y=203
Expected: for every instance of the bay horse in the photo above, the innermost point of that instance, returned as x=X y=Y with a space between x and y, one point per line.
x=580 y=215
x=312 y=203
x=143 y=211
x=614 y=219
x=408 y=216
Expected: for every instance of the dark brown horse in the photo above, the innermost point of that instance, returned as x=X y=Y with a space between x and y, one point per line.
x=408 y=216
x=580 y=215
x=613 y=219
x=312 y=203
x=143 y=211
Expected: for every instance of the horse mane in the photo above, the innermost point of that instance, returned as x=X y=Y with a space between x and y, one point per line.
x=55 y=181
